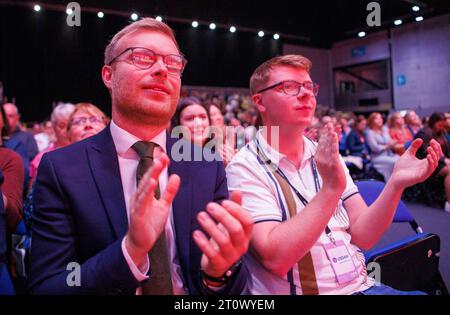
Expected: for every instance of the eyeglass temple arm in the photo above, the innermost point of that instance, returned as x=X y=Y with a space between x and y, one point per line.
x=269 y=87
x=112 y=60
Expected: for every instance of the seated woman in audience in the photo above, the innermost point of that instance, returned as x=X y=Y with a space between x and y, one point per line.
x=380 y=145
x=399 y=133
x=85 y=121
x=215 y=115
x=59 y=118
x=217 y=122
x=193 y=115
x=343 y=124
x=436 y=130
x=413 y=122
x=356 y=157
x=356 y=142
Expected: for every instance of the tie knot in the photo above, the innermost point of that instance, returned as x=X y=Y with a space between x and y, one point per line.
x=144 y=149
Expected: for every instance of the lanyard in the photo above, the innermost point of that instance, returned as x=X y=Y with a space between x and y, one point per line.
x=297 y=193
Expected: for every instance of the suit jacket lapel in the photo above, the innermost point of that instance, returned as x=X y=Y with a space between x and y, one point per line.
x=104 y=164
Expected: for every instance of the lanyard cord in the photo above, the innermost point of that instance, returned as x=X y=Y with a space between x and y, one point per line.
x=261 y=153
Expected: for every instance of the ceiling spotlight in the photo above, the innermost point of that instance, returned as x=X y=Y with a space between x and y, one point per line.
x=419 y=18
x=361 y=34
x=100 y=14
x=134 y=16
x=398 y=22
x=415 y=8
x=69 y=11
x=37 y=8
x=158 y=18
x=212 y=26
x=260 y=33
x=276 y=36
x=194 y=24
x=232 y=29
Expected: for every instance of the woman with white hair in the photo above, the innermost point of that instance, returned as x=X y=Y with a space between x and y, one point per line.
x=59 y=118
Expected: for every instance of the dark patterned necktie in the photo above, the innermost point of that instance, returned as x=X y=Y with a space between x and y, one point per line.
x=160 y=282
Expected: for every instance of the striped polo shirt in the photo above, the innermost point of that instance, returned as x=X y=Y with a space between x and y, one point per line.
x=263 y=199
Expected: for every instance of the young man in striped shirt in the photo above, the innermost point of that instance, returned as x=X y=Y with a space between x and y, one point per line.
x=310 y=219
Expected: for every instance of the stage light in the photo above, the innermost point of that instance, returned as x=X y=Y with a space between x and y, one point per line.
x=276 y=36
x=419 y=18
x=134 y=16
x=212 y=26
x=100 y=14
x=415 y=8
x=37 y=8
x=260 y=33
x=398 y=22
x=361 y=34
x=195 y=24
x=69 y=11
x=232 y=29
x=158 y=18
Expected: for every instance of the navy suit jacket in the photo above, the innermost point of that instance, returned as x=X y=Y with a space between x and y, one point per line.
x=80 y=216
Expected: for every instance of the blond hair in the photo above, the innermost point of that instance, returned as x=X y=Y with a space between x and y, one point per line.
x=89 y=109
x=261 y=75
x=391 y=119
x=145 y=23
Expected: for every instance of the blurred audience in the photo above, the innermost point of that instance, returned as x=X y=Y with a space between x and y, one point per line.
x=14 y=145
x=380 y=145
x=399 y=133
x=16 y=134
x=45 y=137
x=59 y=122
x=413 y=122
x=356 y=141
x=436 y=130
x=192 y=114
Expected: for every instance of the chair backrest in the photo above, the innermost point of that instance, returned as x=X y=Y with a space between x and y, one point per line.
x=371 y=189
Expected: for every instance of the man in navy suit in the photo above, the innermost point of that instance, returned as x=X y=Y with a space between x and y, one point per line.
x=96 y=219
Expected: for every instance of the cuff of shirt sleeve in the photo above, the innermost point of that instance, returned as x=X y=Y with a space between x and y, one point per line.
x=139 y=272
x=209 y=289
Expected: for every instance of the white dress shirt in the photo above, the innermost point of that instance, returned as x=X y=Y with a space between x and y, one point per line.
x=128 y=163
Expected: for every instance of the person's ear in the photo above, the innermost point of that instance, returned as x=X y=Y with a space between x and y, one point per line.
x=107 y=76
x=257 y=99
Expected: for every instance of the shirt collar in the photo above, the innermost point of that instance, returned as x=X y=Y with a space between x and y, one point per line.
x=123 y=140
x=309 y=149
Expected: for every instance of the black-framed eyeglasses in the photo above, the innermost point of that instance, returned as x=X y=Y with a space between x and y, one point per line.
x=293 y=88
x=144 y=58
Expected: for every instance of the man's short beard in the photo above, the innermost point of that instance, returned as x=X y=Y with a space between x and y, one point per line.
x=137 y=113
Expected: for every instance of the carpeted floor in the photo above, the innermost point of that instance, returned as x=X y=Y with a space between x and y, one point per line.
x=432 y=220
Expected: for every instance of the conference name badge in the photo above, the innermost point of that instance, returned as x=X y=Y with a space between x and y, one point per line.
x=343 y=266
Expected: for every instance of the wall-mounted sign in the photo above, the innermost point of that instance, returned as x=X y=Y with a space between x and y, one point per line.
x=358 y=51
x=401 y=79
